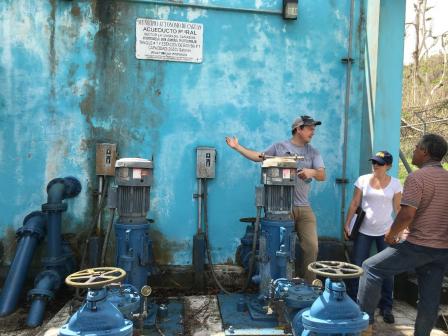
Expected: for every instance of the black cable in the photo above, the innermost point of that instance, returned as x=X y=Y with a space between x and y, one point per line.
x=207 y=243
x=208 y=248
x=254 y=249
x=94 y=224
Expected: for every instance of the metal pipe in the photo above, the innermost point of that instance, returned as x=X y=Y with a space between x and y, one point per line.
x=346 y=112
x=199 y=228
x=253 y=250
x=58 y=189
x=57 y=263
x=36 y=314
x=54 y=248
x=55 y=190
x=46 y=285
x=207 y=6
x=29 y=235
x=207 y=241
x=100 y=196
x=106 y=236
x=405 y=162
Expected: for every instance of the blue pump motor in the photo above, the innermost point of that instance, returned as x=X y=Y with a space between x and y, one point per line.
x=133 y=249
x=133 y=178
x=333 y=313
x=277 y=239
x=276 y=254
x=276 y=260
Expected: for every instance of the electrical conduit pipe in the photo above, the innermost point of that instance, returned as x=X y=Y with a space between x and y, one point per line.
x=29 y=236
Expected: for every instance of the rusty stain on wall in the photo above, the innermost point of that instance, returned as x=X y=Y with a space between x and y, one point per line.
x=75 y=11
x=52 y=52
x=163 y=248
x=113 y=101
x=360 y=39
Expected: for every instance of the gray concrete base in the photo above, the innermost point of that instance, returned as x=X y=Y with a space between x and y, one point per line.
x=202 y=318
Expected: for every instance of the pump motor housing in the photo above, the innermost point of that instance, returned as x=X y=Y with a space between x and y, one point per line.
x=133 y=178
x=278 y=175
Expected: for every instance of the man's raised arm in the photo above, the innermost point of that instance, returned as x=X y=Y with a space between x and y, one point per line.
x=250 y=154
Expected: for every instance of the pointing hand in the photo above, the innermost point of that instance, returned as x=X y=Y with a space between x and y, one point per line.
x=232 y=142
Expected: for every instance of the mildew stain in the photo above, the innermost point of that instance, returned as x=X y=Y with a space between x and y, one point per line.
x=164 y=249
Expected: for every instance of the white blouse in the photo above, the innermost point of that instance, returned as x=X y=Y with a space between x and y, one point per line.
x=378 y=205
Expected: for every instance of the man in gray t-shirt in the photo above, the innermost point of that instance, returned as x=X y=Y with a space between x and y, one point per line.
x=312 y=166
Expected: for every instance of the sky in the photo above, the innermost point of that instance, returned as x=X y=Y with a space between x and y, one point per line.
x=439 y=21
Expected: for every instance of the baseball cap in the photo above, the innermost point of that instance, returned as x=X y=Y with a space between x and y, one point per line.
x=304 y=120
x=383 y=157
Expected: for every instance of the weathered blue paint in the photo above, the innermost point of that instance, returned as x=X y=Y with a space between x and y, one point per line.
x=70 y=79
x=385 y=26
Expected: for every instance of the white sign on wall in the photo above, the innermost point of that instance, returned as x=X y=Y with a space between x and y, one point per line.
x=168 y=40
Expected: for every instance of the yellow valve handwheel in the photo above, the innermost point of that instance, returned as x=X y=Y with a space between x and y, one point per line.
x=95 y=277
x=335 y=269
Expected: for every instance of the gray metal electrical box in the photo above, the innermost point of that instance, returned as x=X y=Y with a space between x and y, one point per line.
x=206 y=162
x=106 y=155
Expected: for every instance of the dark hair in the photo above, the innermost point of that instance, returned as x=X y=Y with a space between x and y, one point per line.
x=435 y=145
x=304 y=118
x=294 y=131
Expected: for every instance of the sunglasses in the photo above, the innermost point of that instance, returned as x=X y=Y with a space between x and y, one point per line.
x=377 y=163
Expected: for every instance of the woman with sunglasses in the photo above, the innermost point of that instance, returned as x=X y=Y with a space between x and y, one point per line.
x=379 y=195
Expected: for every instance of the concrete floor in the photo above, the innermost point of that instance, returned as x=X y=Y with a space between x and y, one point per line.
x=405 y=316
x=208 y=322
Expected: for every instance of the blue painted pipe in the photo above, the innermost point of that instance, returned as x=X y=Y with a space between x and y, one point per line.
x=29 y=235
x=57 y=263
x=58 y=189
x=46 y=284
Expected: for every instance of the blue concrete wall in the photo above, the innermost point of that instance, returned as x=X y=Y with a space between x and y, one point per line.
x=384 y=57
x=70 y=79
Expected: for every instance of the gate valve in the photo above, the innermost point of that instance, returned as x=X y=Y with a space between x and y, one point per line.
x=333 y=312
x=98 y=316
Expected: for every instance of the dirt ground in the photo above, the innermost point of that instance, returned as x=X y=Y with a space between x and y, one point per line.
x=16 y=322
